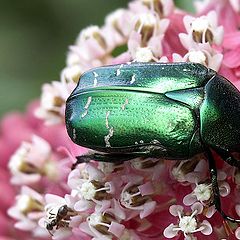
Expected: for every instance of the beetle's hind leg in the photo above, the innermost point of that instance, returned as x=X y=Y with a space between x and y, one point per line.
x=215 y=188
x=100 y=157
x=229 y=158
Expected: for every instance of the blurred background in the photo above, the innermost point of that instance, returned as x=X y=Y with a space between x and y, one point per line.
x=34 y=38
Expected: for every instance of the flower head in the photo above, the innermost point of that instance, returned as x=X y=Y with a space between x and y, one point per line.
x=188 y=224
x=126 y=200
x=31 y=161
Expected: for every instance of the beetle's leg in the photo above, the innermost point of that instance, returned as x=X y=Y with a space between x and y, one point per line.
x=215 y=188
x=113 y=158
x=81 y=159
x=228 y=158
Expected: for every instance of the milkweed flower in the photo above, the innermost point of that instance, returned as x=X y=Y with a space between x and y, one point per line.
x=188 y=224
x=144 y=198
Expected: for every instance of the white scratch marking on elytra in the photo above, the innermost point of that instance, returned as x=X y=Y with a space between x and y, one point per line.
x=87 y=106
x=74 y=134
x=141 y=141
x=154 y=141
x=94 y=82
x=95 y=79
x=125 y=104
x=84 y=114
x=107 y=115
x=133 y=79
x=107 y=137
x=119 y=70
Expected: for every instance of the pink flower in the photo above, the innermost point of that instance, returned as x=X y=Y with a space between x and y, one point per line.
x=53 y=101
x=190 y=171
x=27 y=211
x=203 y=29
x=227 y=14
x=121 y=200
x=31 y=161
x=102 y=226
x=136 y=196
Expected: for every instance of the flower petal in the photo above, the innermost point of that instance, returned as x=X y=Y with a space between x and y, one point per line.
x=175 y=209
x=237 y=233
x=170 y=232
x=207 y=230
x=146 y=189
x=189 y=199
x=116 y=229
x=148 y=208
x=197 y=207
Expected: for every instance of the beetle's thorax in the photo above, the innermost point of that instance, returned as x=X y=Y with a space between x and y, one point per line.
x=220 y=112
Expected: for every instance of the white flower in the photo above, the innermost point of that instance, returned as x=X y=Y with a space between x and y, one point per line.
x=203 y=54
x=188 y=224
x=203 y=29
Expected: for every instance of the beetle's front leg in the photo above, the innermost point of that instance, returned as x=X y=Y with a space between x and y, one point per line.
x=215 y=188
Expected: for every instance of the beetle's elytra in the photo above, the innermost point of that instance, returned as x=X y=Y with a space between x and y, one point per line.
x=170 y=110
x=166 y=109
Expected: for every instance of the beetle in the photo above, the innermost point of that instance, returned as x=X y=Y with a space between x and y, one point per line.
x=165 y=110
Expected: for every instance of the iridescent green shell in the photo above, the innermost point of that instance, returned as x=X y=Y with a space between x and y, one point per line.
x=160 y=108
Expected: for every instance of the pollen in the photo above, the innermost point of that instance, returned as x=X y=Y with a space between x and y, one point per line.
x=88 y=190
x=188 y=224
x=197 y=57
x=203 y=192
x=144 y=55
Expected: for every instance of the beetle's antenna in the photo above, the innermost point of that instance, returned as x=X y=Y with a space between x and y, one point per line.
x=215 y=188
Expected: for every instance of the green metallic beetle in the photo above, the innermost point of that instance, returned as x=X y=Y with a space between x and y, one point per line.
x=165 y=110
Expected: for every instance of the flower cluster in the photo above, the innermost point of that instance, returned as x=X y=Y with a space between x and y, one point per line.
x=140 y=199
